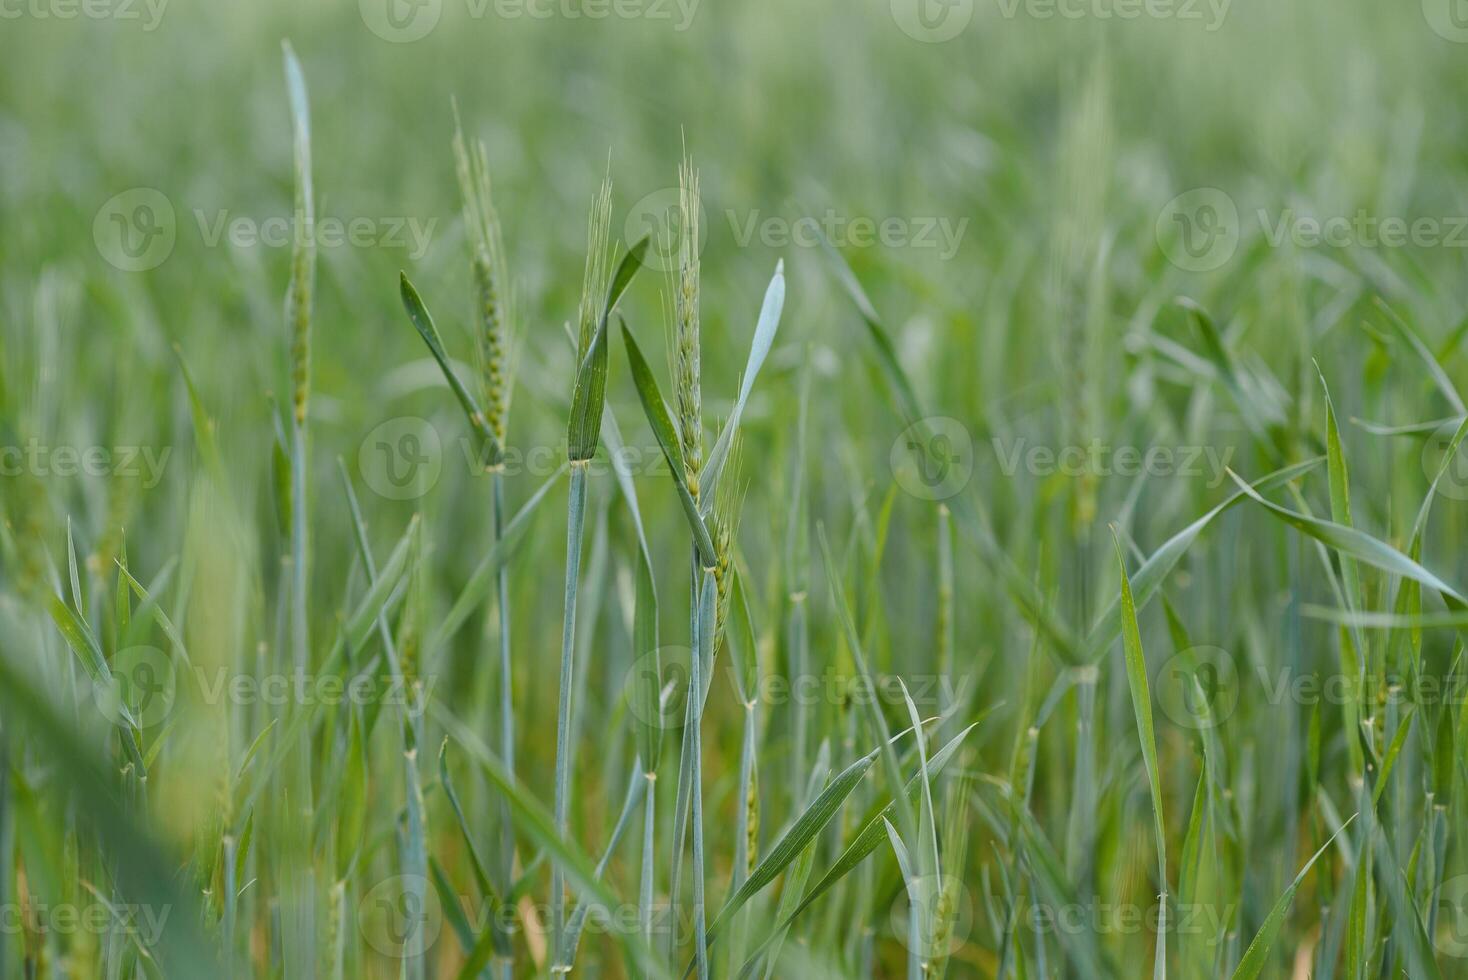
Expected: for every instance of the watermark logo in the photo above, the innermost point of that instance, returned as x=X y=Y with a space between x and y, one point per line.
x=401 y=459
x=400 y=21
x=1454 y=480
x=933 y=459
x=1198 y=688
x=141 y=689
x=1451 y=935
x=135 y=230
x=932 y=21
x=945 y=916
x=1448 y=19
x=659 y=216
x=668 y=671
x=1199 y=229
x=400 y=916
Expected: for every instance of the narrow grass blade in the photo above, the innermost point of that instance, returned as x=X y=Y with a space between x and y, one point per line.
x=1356 y=544
x=1257 y=955
x=663 y=430
x=422 y=321
x=764 y=338
x=539 y=825
x=1136 y=672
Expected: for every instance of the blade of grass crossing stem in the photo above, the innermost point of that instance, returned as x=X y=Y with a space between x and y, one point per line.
x=583 y=431
x=923 y=891
x=663 y=430
x=1434 y=368
x=422 y=321
x=539 y=826
x=498 y=940
x=1340 y=510
x=822 y=810
x=645 y=693
x=1136 y=672
x=483 y=578
x=1154 y=571
x=1257 y=955
x=647 y=713
x=83 y=642
x=636 y=787
x=910 y=881
x=862 y=846
x=1357 y=544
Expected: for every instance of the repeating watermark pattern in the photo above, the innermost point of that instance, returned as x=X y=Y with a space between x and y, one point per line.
x=138 y=229
x=1451 y=935
x=933 y=459
x=400 y=916
x=145 y=685
x=658 y=214
x=142 y=688
x=42 y=460
x=1106 y=918
x=403 y=916
x=1201 y=688
x=1198 y=687
x=935 y=21
x=1448 y=19
x=1099 y=458
x=932 y=21
x=403 y=458
x=405 y=21
x=148 y=14
x=1200 y=230
x=1454 y=480
x=668 y=671
x=135 y=230
x=945 y=916
x=936 y=233
x=279 y=231
x=141 y=921
x=1208 y=14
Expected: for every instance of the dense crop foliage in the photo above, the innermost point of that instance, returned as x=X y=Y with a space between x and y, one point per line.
x=676 y=488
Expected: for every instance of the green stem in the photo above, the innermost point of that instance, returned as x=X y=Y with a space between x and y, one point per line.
x=507 y=704
x=575 y=521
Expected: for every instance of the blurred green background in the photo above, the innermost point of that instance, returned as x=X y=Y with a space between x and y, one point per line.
x=1031 y=163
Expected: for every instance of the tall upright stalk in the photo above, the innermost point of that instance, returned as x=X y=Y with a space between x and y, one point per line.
x=299 y=930
x=575 y=522
x=490 y=276
x=583 y=433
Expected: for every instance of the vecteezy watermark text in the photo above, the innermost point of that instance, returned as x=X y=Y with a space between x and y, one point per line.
x=137 y=230
x=35 y=458
x=148 y=12
x=935 y=21
x=1098 y=458
x=404 y=21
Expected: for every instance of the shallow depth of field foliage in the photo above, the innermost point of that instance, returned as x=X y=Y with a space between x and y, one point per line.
x=1005 y=520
